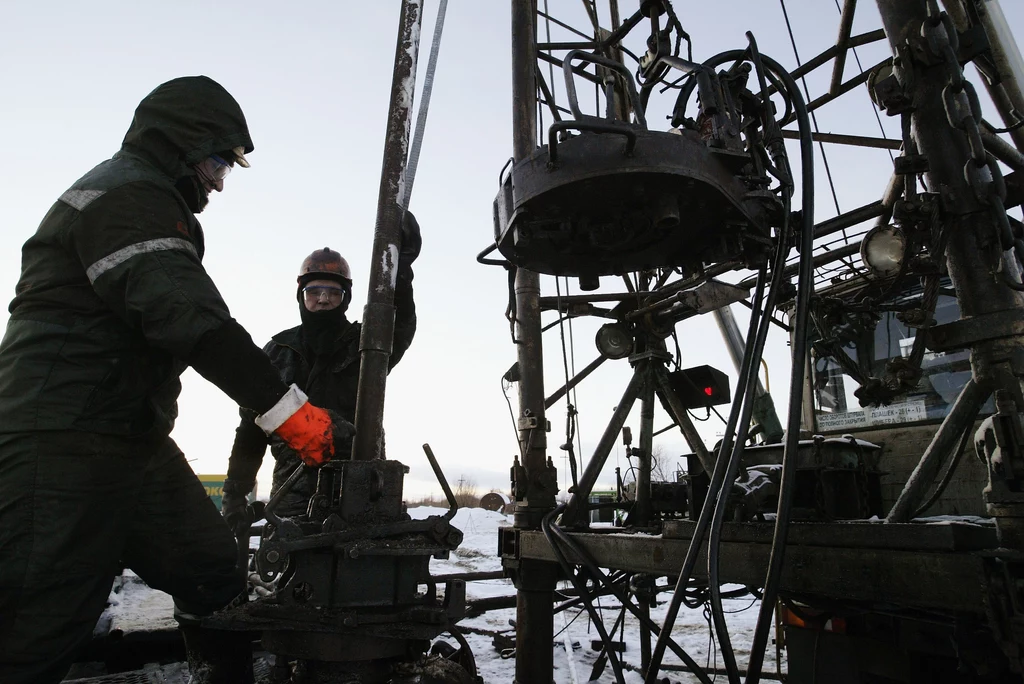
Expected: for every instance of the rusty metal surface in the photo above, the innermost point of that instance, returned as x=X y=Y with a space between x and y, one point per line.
x=349 y=581
x=870 y=575
x=570 y=218
x=966 y=332
x=953 y=536
x=535 y=482
x=379 y=316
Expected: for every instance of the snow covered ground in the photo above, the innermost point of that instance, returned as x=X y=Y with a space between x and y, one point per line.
x=134 y=606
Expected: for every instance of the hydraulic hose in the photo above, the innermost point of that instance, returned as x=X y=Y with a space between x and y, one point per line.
x=546 y=527
x=805 y=287
x=778 y=268
x=715 y=536
x=805 y=290
x=717 y=477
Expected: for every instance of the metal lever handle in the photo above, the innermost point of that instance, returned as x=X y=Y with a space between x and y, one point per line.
x=592 y=126
x=268 y=512
x=453 y=506
x=618 y=68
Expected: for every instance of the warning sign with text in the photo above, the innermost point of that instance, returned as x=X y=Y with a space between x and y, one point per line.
x=908 y=412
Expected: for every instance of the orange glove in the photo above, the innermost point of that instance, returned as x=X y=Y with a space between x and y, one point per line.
x=314 y=434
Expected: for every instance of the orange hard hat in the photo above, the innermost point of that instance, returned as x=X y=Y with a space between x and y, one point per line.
x=324 y=263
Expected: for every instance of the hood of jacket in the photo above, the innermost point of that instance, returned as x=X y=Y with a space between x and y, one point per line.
x=184 y=121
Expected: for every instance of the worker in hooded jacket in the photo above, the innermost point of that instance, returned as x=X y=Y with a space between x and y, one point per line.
x=112 y=305
x=321 y=356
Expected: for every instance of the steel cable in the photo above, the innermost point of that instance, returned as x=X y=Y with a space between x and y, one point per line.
x=421 y=116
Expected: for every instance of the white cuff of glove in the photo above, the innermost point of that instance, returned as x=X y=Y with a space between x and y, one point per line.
x=285 y=408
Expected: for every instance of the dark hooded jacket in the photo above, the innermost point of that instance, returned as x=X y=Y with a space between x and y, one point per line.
x=113 y=300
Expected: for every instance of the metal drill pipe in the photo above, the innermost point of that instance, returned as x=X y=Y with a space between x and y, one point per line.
x=972 y=252
x=645 y=457
x=533 y=441
x=1008 y=97
x=379 y=315
x=535 y=581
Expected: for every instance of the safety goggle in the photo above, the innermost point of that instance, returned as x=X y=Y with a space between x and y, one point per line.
x=214 y=168
x=314 y=293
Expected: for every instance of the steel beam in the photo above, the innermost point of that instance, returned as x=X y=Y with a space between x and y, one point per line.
x=960 y=418
x=956 y=580
x=595 y=465
x=842 y=44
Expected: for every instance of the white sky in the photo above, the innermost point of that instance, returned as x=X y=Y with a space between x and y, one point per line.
x=313 y=79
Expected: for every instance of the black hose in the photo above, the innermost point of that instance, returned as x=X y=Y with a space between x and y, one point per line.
x=715 y=535
x=686 y=91
x=467 y=660
x=805 y=290
x=717 y=477
x=581 y=587
x=778 y=267
x=575 y=601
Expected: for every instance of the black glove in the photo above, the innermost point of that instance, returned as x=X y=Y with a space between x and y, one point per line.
x=234 y=502
x=412 y=241
x=342 y=433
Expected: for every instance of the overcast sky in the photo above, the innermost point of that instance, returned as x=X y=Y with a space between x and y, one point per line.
x=313 y=79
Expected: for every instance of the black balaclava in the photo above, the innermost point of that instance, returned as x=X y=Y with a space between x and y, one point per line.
x=193 y=192
x=321 y=329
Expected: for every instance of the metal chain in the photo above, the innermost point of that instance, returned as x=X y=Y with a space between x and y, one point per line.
x=963 y=112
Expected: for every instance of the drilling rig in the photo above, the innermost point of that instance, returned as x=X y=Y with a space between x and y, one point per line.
x=827 y=519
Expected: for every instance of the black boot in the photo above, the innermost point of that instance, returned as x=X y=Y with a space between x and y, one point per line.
x=218 y=656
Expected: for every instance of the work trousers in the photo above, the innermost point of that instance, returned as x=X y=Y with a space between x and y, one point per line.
x=76 y=508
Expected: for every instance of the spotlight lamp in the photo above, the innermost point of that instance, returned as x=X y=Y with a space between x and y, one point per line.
x=883 y=250
x=614 y=341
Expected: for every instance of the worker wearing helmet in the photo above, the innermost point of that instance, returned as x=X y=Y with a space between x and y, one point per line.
x=112 y=305
x=321 y=356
